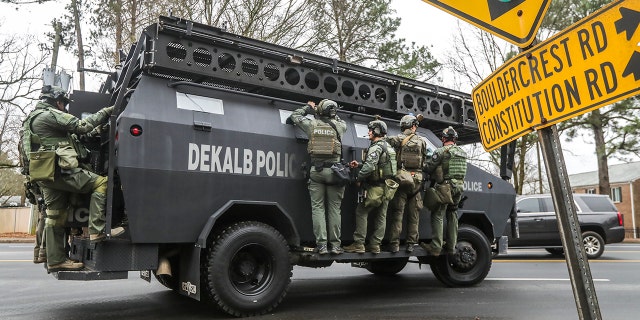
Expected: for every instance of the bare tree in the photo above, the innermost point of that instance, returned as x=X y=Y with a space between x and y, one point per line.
x=475 y=55
x=19 y=85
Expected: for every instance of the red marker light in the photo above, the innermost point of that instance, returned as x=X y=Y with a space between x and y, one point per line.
x=620 y=221
x=135 y=130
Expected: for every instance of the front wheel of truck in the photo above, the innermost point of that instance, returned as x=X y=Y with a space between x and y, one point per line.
x=471 y=262
x=247 y=269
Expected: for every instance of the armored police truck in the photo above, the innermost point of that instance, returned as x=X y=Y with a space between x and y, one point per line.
x=211 y=183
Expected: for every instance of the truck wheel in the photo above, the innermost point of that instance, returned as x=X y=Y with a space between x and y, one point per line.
x=593 y=244
x=247 y=269
x=471 y=262
x=387 y=267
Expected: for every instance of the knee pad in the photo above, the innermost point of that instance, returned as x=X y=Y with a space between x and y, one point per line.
x=56 y=218
x=100 y=185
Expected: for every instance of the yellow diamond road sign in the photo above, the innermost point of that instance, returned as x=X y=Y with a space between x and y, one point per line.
x=516 y=21
x=593 y=63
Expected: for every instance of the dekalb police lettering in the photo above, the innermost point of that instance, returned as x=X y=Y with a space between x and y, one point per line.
x=233 y=160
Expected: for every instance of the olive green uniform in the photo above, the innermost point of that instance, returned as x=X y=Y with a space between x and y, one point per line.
x=452 y=174
x=379 y=164
x=53 y=128
x=325 y=191
x=412 y=154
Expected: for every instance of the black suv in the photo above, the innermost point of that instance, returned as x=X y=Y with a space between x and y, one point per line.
x=600 y=223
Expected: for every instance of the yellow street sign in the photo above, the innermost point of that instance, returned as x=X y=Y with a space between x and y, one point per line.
x=593 y=63
x=516 y=21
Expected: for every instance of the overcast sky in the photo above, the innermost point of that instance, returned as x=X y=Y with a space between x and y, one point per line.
x=421 y=23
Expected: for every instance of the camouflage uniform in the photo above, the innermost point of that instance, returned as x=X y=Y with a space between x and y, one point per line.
x=378 y=163
x=53 y=128
x=441 y=159
x=407 y=200
x=325 y=191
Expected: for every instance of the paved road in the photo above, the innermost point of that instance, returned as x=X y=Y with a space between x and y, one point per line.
x=526 y=284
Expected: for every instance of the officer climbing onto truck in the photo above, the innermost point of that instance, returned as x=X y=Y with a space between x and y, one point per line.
x=325 y=188
x=412 y=153
x=376 y=176
x=52 y=157
x=447 y=167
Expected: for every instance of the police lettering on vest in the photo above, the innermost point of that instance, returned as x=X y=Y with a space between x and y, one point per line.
x=323 y=141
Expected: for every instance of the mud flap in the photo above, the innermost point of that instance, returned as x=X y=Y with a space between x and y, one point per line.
x=189 y=281
x=145 y=275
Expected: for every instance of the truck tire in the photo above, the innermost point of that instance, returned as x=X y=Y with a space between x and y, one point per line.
x=387 y=267
x=247 y=269
x=593 y=244
x=471 y=263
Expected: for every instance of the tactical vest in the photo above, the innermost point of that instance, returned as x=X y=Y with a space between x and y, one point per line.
x=323 y=142
x=454 y=163
x=411 y=153
x=30 y=141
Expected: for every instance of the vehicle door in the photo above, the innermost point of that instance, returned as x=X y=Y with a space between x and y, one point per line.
x=530 y=221
x=549 y=231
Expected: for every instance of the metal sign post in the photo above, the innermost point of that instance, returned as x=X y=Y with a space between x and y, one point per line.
x=584 y=291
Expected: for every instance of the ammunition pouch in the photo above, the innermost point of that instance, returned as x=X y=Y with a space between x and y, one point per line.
x=444 y=193
x=83 y=152
x=374 y=196
x=42 y=165
x=67 y=157
x=431 y=199
x=390 y=188
x=405 y=179
x=342 y=172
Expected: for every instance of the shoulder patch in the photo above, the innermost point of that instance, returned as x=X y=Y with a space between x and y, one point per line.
x=435 y=156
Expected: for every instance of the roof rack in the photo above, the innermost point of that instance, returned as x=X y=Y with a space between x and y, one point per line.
x=188 y=51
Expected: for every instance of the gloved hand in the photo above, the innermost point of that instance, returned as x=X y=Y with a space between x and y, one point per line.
x=310 y=108
x=108 y=110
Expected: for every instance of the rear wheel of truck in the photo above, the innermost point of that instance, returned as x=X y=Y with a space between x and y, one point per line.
x=247 y=269
x=387 y=267
x=471 y=262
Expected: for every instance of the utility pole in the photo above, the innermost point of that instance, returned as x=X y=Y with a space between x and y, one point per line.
x=57 y=27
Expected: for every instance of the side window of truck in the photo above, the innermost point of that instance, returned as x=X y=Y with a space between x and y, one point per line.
x=193 y=102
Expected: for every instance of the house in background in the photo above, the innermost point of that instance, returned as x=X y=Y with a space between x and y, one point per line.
x=624 y=180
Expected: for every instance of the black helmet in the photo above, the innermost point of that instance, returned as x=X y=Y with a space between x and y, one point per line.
x=378 y=127
x=54 y=93
x=449 y=133
x=327 y=108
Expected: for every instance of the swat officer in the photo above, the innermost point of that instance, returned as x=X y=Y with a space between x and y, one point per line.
x=48 y=128
x=412 y=153
x=325 y=149
x=375 y=176
x=447 y=167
